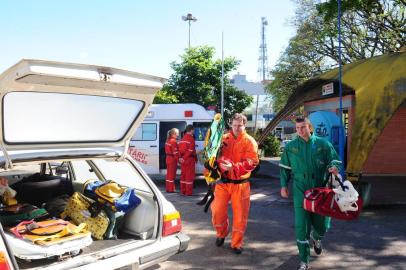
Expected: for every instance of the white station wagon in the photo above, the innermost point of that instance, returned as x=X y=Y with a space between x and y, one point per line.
x=67 y=123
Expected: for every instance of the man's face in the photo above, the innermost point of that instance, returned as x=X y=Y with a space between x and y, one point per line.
x=303 y=130
x=238 y=127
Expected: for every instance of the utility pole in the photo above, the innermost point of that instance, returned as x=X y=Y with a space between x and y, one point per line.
x=189 y=18
x=222 y=74
x=263 y=64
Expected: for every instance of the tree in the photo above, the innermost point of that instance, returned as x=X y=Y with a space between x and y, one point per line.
x=369 y=28
x=165 y=97
x=197 y=79
x=298 y=63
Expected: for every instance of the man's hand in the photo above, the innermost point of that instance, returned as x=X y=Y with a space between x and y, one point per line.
x=333 y=170
x=284 y=192
x=225 y=166
x=181 y=160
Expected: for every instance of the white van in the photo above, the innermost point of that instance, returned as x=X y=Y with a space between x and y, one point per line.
x=80 y=117
x=147 y=146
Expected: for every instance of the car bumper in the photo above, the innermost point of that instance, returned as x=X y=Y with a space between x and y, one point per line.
x=184 y=241
x=162 y=250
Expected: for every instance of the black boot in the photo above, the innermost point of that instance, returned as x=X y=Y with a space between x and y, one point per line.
x=237 y=251
x=219 y=241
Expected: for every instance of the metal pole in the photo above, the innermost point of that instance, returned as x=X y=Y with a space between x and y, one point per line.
x=222 y=74
x=189 y=34
x=341 y=130
x=263 y=71
x=189 y=18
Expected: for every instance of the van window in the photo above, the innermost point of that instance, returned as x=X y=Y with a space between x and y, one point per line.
x=145 y=132
x=200 y=130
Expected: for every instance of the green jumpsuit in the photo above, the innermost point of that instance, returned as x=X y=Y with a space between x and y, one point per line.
x=307 y=162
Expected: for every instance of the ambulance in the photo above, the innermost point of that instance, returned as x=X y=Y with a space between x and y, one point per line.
x=147 y=146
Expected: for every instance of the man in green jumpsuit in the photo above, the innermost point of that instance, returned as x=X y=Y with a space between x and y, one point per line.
x=306 y=159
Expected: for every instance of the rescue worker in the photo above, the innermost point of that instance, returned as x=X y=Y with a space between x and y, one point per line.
x=172 y=156
x=187 y=159
x=307 y=159
x=238 y=157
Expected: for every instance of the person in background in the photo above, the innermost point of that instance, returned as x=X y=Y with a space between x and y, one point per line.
x=187 y=159
x=172 y=156
x=307 y=159
x=238 y=157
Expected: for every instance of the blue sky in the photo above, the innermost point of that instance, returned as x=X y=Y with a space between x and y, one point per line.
x=140 y=35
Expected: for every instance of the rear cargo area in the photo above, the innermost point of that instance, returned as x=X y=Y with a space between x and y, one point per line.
x=51 y=186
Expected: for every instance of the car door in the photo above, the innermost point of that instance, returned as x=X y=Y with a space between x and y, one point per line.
x=67 y=109
x=144 y=146
x=164 y=127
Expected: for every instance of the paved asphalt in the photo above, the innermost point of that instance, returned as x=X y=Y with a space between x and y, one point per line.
x=377 y=240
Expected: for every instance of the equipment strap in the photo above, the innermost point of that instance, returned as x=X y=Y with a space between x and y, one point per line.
x=229 y=181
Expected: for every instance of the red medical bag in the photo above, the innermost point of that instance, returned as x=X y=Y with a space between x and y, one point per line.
x=321 y=201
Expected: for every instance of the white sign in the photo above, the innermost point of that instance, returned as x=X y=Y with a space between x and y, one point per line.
x=327 y=89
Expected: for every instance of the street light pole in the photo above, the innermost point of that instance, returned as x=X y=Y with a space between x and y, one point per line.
x=189 y=18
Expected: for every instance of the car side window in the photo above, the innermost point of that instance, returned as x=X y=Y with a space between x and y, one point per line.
x=82 y=171
x=122 y=172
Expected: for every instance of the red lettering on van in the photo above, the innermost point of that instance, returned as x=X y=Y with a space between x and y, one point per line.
x=138 y=155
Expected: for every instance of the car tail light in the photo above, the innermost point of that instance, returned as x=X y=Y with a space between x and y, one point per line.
x=172 y=223
x=5 y=262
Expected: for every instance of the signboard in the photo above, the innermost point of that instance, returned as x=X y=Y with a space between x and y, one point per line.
x=327 y=89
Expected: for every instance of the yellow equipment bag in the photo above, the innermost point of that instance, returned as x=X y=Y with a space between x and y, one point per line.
x=112 y=195
x=79 y=210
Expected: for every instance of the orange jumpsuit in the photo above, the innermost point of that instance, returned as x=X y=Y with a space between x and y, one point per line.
x=241 y=151
x=172 y=156
x=187 y=151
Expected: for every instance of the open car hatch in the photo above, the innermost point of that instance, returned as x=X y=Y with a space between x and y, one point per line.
x=61 y=107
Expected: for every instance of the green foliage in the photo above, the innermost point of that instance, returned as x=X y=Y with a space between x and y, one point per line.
x=298 y=63
x=271 y=146
x=165 y=97
x=197 y=79
x=368 y=27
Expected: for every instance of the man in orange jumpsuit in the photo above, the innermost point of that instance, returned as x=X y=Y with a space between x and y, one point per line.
x=237 y=159
x=172 y=156
x=187 y=160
